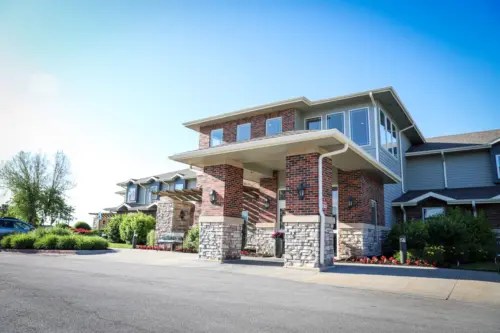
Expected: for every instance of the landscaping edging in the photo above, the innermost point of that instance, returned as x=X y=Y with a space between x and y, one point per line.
x=32 y=251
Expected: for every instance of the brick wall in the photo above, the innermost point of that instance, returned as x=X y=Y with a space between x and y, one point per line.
x=268 y=190
x=258 y=126
x=304 y=169
x=227 y=181
x=362 y=188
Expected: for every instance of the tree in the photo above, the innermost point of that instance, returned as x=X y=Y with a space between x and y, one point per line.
x=139 y=223
x=38 y=189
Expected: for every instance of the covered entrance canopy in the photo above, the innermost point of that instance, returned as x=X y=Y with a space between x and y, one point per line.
x=260 y=156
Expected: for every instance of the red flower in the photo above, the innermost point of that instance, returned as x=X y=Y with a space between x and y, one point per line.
x=417 y=262
x=408 y=261
x=434 y=263
x=278 y=234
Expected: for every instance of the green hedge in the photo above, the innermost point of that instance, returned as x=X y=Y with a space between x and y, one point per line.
x=47 y=242
x=139 y=223
x=82 y=225
x=192 y=240
x=112 y=228
x=22 y=241
x=151 y=238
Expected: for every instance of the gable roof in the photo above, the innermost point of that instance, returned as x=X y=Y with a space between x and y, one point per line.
x=470 y=193
x=184 y=174
x=471 y=140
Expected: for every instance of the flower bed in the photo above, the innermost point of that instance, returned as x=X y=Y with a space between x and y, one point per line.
x=164 y=248
x=383 y=260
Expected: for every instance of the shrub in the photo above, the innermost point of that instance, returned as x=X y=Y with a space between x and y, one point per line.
x=139 y=223
x=40 y=232
x=47 y=242
x=22 y=241
x=112 y=228
x=416 y=236
x=151 y=238
x=5 y=242
x=192 y=240
x=434 y=254
x=66 y=243
x=410 y=254
x=82 y=225
x=62 y=225
x=90 y=243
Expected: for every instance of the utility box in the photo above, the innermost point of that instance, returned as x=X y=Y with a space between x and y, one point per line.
x=402 y=249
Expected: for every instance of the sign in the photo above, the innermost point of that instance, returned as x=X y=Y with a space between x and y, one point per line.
x=99 y=216
x=325 y=205
x=402 y=239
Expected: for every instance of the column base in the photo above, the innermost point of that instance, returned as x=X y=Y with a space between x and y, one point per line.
x=360 y=240
x=220 y=238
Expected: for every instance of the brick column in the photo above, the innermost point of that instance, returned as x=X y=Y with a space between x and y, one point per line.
x=358 y=236
x=302 y=219
x=221 y=222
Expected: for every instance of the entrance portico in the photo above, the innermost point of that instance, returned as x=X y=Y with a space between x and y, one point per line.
x=264 y=161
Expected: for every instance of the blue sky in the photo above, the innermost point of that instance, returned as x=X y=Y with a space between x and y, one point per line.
x=110 y=82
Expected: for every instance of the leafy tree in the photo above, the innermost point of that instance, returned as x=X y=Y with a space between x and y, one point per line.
x=112 y=228
x=139 y=223
x=38 y=189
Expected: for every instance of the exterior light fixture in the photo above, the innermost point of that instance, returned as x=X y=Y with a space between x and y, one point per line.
x=266 y=203
x=212 y=196
x=301 y=190
x=350 y=202
x=182 y=215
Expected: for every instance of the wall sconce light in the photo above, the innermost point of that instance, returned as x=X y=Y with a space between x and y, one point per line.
x=350 y=202
x=301 y=191
x=212 y=197
x=182 y=215
x=266 y=203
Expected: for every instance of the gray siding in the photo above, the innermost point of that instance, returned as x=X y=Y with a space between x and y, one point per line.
x=469 y=169
x=425 y=172
x=495 y=150
x=389 y=161
x=391 y=192
x=405 y=145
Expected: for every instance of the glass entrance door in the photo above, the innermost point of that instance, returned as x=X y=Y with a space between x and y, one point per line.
x=335 y=210
x=281 y=210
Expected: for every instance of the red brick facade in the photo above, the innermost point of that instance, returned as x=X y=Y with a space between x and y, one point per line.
x=258 y=126
x=304 y=169
x=268 y=190
x=362 y=188
x=227 y=181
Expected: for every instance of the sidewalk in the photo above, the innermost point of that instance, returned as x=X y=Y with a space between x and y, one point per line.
x=445 y=284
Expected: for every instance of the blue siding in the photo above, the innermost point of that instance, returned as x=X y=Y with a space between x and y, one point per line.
x=495 y=150
x=469 y=169
x=389 y=161
x=425 y=172
x=130 y=186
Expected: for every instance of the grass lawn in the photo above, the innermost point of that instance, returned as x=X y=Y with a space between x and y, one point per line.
x=120 y=246
x=479 y=266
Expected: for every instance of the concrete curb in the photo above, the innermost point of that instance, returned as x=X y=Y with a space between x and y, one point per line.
x=81 y=252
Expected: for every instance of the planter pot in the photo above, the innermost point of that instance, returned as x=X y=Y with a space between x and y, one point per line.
x=280 y=247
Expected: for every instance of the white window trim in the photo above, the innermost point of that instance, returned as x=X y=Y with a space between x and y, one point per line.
x=135 y=194
x=333 y=113
x=320 y=117
x=497 y=157
x=222 y=136
x=281 y=125
x=237 y=130
x=369 y=125
x=424 y=208
x=397 y=134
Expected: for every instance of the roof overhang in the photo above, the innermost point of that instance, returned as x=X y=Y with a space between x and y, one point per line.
x=262 y=156
x=387 y=96
x=448 y=150
x=448 y=200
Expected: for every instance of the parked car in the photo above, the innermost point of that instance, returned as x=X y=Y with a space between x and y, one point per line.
x=10 y=225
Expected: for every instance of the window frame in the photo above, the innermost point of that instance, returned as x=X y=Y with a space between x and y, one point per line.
x=249 y=129
x=344 y=120
x=367 y=109
x=439 y=207
x=312 y=118
x=388 y=134
x=135 y=194
x=281 y=125
x=222 y=136
x=497 y=158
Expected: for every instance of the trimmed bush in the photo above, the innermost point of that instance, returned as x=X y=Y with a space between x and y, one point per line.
x=112 y=228
x=151 y=238
x=139 y=223
x=192 y=240
x=434 y=254
x=40 y=232
x=5 y=242
x=62 y=225
x=22 y=241
x=47 y=242
x=91 y=243
x=82 y=225
x=66 y=242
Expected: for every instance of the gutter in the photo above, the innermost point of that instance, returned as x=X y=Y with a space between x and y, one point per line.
x=320 y=201
x=404 y=212
x=401 y=158
x=377 y=121
x=445 y=174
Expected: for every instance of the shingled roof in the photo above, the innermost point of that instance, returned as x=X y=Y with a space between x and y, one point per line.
x=473 y=139
x=470 y=193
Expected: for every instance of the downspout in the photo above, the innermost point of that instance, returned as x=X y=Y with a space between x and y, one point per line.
x=401 y=156
x=404 y=212
x=474 y=209
x=444 y=170
x=320 y=201
x=377 y=122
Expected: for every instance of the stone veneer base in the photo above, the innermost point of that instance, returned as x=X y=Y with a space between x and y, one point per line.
x=361 y=240
x=220 y=241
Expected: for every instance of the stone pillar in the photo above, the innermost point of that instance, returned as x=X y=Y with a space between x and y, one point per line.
x=220 y=221
x=302 y=219
x=358 y=235
x=169 y=217
x=268 y=188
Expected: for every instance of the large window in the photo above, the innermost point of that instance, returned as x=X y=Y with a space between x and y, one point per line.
x=132 y=194
x=313 y=123
x=216 y=137
x=151 y=196
x=388 y=135
x=360 y=132
x=243 y=132
x=335 y=120
x=498 y=165
x=432 y=211
x=273 y=126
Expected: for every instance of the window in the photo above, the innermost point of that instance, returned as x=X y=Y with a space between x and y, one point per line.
x=243 y=132
x=335 y=201
x=388 y=135
x=179 y=184
x=360 y=132
x=313 y=123
x=191 y=183
x=335 y=120
x=498 y=165
x=281 y=195
x=429 y=212
x=152 y=196
x=273 y=126
x=216 y=137
x=132 y=194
